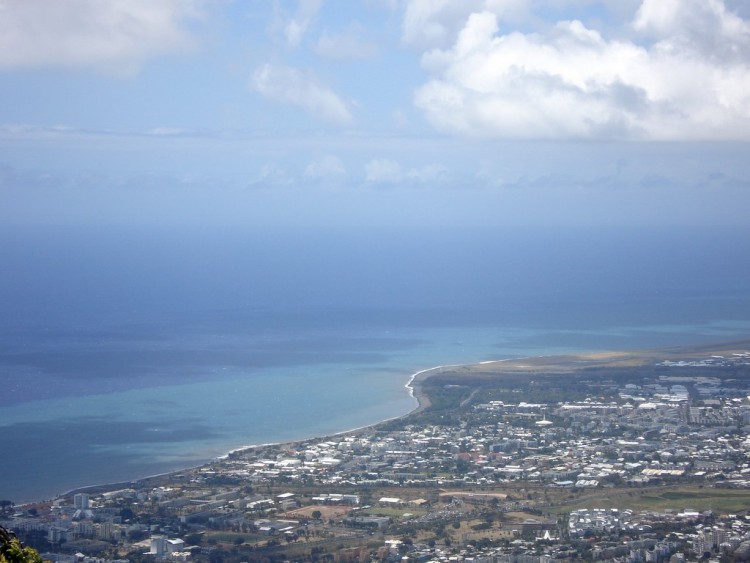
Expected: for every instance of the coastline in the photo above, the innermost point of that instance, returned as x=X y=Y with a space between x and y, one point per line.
x=415 y=388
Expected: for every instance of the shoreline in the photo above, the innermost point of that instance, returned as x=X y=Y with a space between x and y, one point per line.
x=413 y=387
x=567 y=362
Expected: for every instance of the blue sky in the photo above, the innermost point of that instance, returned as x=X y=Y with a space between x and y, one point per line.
x=385 y=113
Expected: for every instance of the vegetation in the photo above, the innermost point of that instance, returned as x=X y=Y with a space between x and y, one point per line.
x=662 y=498
x=461 y=504
x=13 y=551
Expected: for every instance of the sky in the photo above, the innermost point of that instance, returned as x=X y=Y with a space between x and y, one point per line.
x=315 y=113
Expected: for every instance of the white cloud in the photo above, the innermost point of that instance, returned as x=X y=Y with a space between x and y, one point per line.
x=434 y=23
x=430 y=24
x=690 y=79
x=114 y=36
x=383 y=171
x=297 y=26
x=429 y=174
x=347 y=45
x=703 y=28
x=272 y=175
x=300 y=89
x=328 y=167
x=389 y=171
x=166 y=132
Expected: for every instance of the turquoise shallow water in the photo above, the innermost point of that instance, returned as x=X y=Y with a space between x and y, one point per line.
x=129 y=433
x=128 y=354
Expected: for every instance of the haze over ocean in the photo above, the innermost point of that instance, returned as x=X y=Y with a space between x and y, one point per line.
x=124 y=354
x=225 y=223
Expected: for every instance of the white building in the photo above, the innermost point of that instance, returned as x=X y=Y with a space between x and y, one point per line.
x=158 y=546
x=81 y=501
x=175 y=546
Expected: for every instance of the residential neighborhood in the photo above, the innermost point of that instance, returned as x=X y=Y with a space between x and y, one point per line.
x=650 y=464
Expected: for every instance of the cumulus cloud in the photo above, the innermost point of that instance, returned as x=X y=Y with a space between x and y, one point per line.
x=383 y=171
x=430 y=24
x=115 y=36
x=346 y=45
x=389 y=171
x=434 y=23
x=297 y=26
x=300 y=89
x=328 y=167
x=429 y=174
x=683 y=74
x=704 y=29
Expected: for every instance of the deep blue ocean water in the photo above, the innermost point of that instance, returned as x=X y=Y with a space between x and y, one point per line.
x=126 y=353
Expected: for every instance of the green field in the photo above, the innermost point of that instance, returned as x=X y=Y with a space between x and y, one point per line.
x=393 y=512
x=674 y=498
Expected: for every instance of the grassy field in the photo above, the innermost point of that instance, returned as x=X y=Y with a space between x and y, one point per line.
x=393 y=512
x=326 y=512
x=674 y=498
x=231 y=537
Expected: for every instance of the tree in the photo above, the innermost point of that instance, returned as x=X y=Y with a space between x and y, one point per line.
x=193 y=539
x=13 y=551
x=137 y=535
x=127 y=514
x=316 y=514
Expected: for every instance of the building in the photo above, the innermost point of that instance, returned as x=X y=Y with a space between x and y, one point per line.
x=81 y=501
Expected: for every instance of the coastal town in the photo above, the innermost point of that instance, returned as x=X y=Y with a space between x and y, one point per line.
x=608 y=457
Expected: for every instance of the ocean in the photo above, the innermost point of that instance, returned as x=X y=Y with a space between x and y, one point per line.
x=131 y=352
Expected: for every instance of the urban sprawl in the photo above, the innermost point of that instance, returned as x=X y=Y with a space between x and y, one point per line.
x=601 y=461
